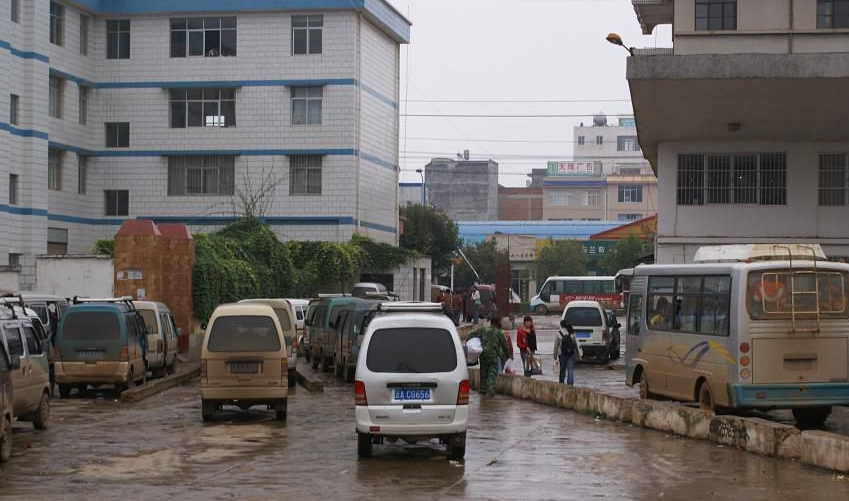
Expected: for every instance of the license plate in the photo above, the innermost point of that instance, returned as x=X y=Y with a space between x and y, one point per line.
x=89 y=355
x=406 y=394
x=799 y=365
x=583 y=335
x=244 y=367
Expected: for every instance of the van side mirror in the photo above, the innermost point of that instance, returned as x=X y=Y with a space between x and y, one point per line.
x=15 y=363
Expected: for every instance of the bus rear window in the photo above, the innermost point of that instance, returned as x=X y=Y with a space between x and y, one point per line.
x=584 y=317
x=91 y=326
x=769 y=294
x=411 y=351
x=242 y=333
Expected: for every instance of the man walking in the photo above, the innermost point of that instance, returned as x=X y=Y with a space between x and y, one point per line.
x=494 y=349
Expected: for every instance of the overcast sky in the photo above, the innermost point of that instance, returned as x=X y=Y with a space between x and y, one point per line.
x=511 y=50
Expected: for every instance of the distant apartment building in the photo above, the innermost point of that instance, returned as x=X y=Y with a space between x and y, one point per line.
x=176 y=110
x=746 y=123
x=410 y=193
x=463 y=189
x=519 y=204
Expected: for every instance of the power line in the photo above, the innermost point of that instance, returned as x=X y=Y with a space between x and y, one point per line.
x=519 y=101
x=460 y=115
x=534 y=141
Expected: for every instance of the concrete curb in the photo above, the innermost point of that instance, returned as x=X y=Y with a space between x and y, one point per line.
x=309 y=380
x=759 y=436
x=140 y=393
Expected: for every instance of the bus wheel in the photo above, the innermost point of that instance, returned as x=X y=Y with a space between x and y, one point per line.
x=705 y=397
x=811 y=417
x=645 y=394
x=541 y=310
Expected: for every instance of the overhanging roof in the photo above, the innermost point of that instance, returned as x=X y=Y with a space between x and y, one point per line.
x=774 y=97
x=651 y=13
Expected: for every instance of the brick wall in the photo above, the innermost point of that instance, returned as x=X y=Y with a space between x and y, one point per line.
x=519 y=204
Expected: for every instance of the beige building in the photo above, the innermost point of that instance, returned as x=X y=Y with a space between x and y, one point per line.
x=625 y=195
x=745 y=122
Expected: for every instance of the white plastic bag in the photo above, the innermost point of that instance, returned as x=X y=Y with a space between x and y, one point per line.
x=508 y=367
x=473 y=350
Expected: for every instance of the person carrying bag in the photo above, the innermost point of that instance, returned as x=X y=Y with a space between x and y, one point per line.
x=567 y=351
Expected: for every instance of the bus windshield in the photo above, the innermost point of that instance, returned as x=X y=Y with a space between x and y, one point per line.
x=769 y=293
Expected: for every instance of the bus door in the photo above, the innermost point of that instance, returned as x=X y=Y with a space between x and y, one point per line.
x=633 y=329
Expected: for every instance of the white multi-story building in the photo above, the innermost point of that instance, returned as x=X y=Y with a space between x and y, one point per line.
x=746 y=122
x=180 y=110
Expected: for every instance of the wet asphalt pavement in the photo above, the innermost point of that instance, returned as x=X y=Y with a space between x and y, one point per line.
x=517 y=450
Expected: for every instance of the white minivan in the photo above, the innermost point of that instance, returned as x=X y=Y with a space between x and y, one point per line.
x=162 y=337
x=412 y=383
x=594 y=330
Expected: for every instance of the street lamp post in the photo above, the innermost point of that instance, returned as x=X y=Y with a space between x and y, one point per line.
x=424 y=188
x=617 y=40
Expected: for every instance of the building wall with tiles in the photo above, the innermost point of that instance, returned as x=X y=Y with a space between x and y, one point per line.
x=357 y=138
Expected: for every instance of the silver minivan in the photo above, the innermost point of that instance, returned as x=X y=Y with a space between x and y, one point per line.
x=162 y=337
x=412 y=383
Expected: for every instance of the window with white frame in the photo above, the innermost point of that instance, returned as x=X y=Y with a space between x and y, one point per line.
x=57 y=23
x=756 y=178
x=627 y=143
x=54 y=169
x=82 y=174
x=833 y=179
x=832 y=14
x=203 y=108
x=630 y=193
x=201 y=175
x=117 y=202
x=118 y=39
x=713 y=15
x=55 y=96
x=203 y=37
x=306 y=105
x=560 y=198
x=592 y=197
x=84 y=34
x=16 y=11
x=307 y=34
x=630 y=217
x=83 y=103
x=14 y=110
x=305 y=174
x=13 y=189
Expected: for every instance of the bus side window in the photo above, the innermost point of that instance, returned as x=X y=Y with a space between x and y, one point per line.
x=635 y=308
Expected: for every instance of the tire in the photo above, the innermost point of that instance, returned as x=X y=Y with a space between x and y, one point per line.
x=292 y=377
x=364 y=445
x=645 y=392
x=64 y=391
x=161 y=372
x=811 y=417
x=208 y=409
x=6 y=442
x=41 y=417
x=280 y=411
x=706 y=401
x=541 y=310
x=325 y=363
x=457 y=446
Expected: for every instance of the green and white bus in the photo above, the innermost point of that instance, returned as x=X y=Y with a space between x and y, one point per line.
x=757 y=327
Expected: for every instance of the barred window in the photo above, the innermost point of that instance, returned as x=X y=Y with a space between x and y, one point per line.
x=306 y=105
x=834 y=180
x=627 y=143
x=201 y=175
x=738 y=179
x=306 y=34
x=832 y=14
x=716 y=15
x=203 y=37
x=630 y=193
x=305 y=175
x=118 y=39
x=57 y=23
x=203 y=108
x=592 y=197
x=561 y=198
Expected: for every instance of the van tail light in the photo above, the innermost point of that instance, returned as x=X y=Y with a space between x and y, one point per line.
x=604 y=335
x=360 y=393
x=203 y=369
x=160 y=346
x=463 y=393
x=284 y=369
x=744 y=347
x=57 y=352
x=295 y=343
x=125 y=354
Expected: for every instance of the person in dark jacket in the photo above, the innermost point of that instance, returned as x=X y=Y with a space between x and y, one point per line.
x=566 y=352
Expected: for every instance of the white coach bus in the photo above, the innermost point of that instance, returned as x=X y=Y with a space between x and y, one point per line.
x=746 y=327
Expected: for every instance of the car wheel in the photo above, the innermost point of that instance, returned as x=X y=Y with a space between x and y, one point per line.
x=811 y=417
x=41 y=418
x=171 y=369
x=6 y=442
x=364 y=445
x=280 y=411
x=706 y=402
x=457 y=446
x=64 y=390
x=208 y=409
x=160 y=373
x=292 y=377
x=541 y=310
x=645 y=393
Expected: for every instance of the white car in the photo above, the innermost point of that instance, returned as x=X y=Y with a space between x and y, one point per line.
x=412 y=383
x=596 y=335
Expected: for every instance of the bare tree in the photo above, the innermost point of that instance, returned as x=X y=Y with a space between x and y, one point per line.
x=255 y=195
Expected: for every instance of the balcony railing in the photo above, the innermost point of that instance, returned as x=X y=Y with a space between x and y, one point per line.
x=656 y=51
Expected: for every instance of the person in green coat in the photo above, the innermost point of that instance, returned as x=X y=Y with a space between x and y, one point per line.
x=494 y=349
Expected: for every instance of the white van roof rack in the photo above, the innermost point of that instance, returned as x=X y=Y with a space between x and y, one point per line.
x=409 y=307
x=122 y=299
x=744 y=253
x=323 y=296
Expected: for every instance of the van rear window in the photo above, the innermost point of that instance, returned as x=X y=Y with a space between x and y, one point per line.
x=91 y=326
x=411 y=351
x=584 y=317
x=242 y=333
x=149 y=317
